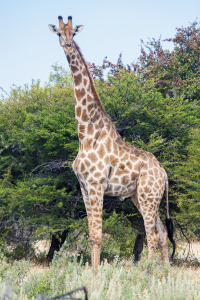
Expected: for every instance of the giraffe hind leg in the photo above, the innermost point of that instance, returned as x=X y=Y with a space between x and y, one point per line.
x=138 y=247
x=163 y=241
x=149 y=211
x=153 y=236
x=153 y=228
x=144 y=206
x=139 y=242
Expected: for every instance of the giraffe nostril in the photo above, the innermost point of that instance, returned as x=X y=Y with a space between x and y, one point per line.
x=68 y=45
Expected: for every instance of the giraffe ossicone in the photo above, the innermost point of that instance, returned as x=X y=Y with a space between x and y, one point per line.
x=105 y=163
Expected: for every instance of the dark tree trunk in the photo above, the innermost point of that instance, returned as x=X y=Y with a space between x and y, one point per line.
x=56 y=243
x=139 y=242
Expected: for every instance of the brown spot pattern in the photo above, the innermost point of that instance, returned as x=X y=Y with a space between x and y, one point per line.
x=93 y=157
x=92 y=169
x=84 y=116
x=82 y=167
x=85 y=81
x=108 y=145
x=125 y=157
x=84 y=72
x=121 y=151
x=115 y=180
x=97 y=134
x=74 y=69
x=78 y=111
x=90 y=106
x=101 y=151
x=85 y=175
x=79 y=94
x=81 y=136
x=119 y=141
x=82 y=128
x=125 y=180
x=97 y=174
x=134 y=175
x=115 y=148
x=95 y=117
x=77 y=79
x=90 y=129
x=100 y=125
x=114 y=160
x=102 y=135
x=89 y=98
x=100 y=166
x=87 y=163
x=88 y=144
x=92 y=192
x=129 y=165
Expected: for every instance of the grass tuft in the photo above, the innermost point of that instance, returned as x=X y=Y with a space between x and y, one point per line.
x=120 y=279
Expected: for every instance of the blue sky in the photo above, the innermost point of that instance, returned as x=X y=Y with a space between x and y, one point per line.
x=28 y=48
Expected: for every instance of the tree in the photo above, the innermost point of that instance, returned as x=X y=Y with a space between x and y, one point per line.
x=39 y=190
x=188 y=182
x=175 y=72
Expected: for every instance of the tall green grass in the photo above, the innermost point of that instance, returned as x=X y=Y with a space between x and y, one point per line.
x=120 y=279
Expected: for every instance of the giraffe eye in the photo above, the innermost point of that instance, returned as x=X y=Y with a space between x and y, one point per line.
x=59 y=34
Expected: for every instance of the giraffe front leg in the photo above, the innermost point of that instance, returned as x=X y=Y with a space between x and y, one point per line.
x=93 y=199
x=86 y=199
x=96 y=202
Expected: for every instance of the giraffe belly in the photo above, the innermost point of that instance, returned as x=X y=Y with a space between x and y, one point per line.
x=121 y=191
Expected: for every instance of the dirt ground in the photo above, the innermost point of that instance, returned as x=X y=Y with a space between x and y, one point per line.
x=193 y=250
x=184 y=250
x=42 y=246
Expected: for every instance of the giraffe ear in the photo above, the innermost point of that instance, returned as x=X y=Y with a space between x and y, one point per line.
x=53 y=28
x=78 y=29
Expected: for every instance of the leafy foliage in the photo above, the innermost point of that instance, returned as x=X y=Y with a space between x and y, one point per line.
x=176 y=71
x=38 y=143
x=188 y=181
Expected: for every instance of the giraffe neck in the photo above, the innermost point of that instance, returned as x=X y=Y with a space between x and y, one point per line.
x=90 y=114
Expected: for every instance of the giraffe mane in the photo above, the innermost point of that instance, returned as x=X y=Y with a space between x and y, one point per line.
x=96 y=96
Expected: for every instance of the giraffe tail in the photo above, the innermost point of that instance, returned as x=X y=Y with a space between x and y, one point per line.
x=168 y=221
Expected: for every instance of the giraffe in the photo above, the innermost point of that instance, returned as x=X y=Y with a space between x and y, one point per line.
x=106 y=164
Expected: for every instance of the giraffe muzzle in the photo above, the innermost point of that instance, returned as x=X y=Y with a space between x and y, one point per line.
x=68 y=49
x=69 y=45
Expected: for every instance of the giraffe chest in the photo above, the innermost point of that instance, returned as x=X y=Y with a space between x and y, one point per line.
x=117 y=177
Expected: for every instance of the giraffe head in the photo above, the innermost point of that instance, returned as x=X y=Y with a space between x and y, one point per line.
x=66 y=32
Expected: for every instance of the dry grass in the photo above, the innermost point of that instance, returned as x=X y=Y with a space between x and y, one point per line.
x=120 y=279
